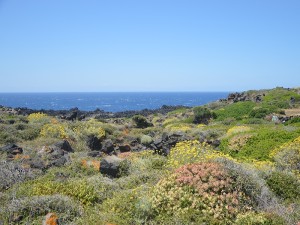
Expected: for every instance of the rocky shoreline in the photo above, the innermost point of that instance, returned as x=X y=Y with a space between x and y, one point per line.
x=75 y=113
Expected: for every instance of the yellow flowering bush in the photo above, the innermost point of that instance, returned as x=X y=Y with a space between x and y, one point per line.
x=38 y=117
x=178 y=127
x=238 y=129
x=79 y=189
x=91 y=127
x=201 y=125
x=54 y=131
x=186 y=152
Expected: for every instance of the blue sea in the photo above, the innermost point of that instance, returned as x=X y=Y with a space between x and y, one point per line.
x=108 y=101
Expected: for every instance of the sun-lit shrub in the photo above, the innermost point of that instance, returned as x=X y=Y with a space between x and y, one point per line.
x=237 y=142
x=38 y=118
x=253 y=218
x=259 y=145
x=238 y=129
x=186 y=152
x=53 y=131
x=29 y=208
x=203 y=115
x=146 y=140
x=141 y=121
x=11 y=173
x=284 y=185
x=237 y=111
x=91 y=127
x=179 y=127
x=202 y=189
x=77 y=189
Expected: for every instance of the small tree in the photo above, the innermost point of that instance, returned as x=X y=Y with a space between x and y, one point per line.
x=202 y=115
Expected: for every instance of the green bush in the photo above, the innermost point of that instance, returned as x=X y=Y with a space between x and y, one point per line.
x=202 y=115
x=279 y=98
x=77 y=189
x=237 y=111
x=252 y=218
x=146 y=140
x=141 y=121
x=260 y=144
x=293 y=121
x=260 y=113
x=284 y=185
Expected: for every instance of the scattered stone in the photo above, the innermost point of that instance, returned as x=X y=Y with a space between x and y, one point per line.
x=95 y=154
x=93 y=142
x=12 y=149
x=110 y=165
x=64 y=145
x=124 y=148
x=58 y=162
x=37 y=164
x=107 y=146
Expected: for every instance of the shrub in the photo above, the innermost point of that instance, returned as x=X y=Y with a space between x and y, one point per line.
x=38 y=118
x=252 y=218
x=293 y=121
x=238 y=129
x=202 y=115
x=284 y=185
x=127 y=207
x=279 y=98
x=186 y=152
x=141 y=121
x=31 y=207
x=202 y=190
x=11 y=173
x=53 y=131
x=237 y=110
x=287 y=156
x=90 y=128
x=77 y=189
x=146 y=140
x=260 y=144
x=260 y=112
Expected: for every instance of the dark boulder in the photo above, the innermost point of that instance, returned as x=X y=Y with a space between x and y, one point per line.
x=37 y=164
x=58 y=162
x=12 y=149
x=107 y=146
x=93 y=142
x=124 y=148
x=64 y=145
x=94 y=154
x=110 y=165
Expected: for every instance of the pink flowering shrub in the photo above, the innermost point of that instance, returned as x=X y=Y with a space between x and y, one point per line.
x=204 y=189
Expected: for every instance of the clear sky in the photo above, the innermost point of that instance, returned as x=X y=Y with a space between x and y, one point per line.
x=148 y=45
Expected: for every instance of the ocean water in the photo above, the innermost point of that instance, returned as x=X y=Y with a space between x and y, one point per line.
x=108 y=101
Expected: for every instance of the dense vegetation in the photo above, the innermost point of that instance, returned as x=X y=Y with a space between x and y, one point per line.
x=232 y=162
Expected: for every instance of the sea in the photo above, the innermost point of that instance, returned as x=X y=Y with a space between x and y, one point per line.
x=108 y=101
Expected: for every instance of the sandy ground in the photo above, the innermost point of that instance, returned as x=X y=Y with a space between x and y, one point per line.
x=292 y=112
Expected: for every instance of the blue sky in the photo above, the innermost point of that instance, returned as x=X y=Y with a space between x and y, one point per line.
x=148 y=45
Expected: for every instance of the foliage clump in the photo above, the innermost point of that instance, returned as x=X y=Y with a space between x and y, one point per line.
x=141 y=121
x=202 y=115
x=200 y=190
